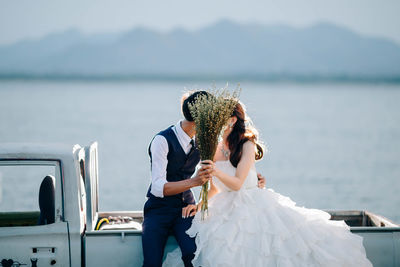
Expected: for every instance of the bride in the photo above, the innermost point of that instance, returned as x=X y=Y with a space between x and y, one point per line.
x=248 y=226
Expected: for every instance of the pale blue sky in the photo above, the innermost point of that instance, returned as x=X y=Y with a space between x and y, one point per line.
x=20 y=19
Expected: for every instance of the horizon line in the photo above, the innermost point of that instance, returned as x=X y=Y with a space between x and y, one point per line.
x=274 y=78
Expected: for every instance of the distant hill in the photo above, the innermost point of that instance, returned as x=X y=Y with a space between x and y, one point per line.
x=222 y=49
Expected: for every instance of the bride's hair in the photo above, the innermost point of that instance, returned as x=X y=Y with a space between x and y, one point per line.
x=242 y=131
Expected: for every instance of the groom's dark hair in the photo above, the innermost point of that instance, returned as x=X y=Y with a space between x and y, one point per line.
x=190 y=98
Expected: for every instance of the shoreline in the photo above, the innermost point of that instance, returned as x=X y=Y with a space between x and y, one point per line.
x=269 y=78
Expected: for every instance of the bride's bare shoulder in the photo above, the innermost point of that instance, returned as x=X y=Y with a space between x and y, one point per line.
x=248 y=145
x=248 y=148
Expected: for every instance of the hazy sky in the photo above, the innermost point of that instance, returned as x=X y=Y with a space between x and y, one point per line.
x=21 y=19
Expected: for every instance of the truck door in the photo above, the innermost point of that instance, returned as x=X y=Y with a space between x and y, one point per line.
x=32 y=230
x=92 y=189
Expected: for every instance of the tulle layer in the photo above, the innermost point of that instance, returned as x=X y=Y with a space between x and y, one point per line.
x=254 y=227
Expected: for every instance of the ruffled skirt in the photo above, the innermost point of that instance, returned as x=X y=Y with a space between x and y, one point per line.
x=255 y=227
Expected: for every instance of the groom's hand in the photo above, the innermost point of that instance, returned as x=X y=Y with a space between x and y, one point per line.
x=261 y=181
x=189 y=211
x=203 y=175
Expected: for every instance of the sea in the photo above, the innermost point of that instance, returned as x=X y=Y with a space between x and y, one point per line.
x=329 y=145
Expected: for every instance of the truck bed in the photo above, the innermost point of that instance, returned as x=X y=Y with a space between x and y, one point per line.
x=123 y=247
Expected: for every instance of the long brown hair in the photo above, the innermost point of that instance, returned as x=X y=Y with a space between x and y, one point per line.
x=242 y=131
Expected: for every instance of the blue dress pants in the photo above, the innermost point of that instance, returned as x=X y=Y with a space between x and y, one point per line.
x=158 y=224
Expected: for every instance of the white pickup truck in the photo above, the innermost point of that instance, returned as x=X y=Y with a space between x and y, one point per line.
x=49 y=214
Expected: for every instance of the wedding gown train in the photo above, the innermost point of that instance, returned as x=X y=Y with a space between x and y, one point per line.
x=255 y=227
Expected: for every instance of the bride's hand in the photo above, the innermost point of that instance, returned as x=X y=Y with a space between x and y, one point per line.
x=189 y=211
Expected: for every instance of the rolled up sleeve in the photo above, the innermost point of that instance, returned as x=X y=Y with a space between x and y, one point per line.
x=159 y=152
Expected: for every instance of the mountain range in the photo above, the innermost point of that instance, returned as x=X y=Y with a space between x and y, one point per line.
x=223 y=49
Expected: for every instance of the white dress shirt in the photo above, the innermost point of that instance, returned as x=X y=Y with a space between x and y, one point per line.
x=159 y=152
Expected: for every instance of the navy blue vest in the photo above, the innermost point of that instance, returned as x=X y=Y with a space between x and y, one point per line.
x=180 y=167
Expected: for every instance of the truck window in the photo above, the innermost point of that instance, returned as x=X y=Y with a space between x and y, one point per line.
x=82 y=189
x=27 y=194
x=82 y=169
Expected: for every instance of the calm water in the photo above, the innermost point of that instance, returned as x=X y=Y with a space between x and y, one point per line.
x=330 y=146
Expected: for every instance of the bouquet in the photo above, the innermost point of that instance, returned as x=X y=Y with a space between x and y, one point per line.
x=211 y=113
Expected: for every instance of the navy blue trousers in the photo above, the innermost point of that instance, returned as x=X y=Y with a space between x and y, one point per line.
x=158 y=224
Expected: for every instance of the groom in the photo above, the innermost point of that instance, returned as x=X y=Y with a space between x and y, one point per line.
x=173 y=158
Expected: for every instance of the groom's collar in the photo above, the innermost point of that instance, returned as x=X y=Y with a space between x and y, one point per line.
x=182 y=136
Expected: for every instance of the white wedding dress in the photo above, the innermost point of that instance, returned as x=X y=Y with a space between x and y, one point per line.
x=255 y=227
